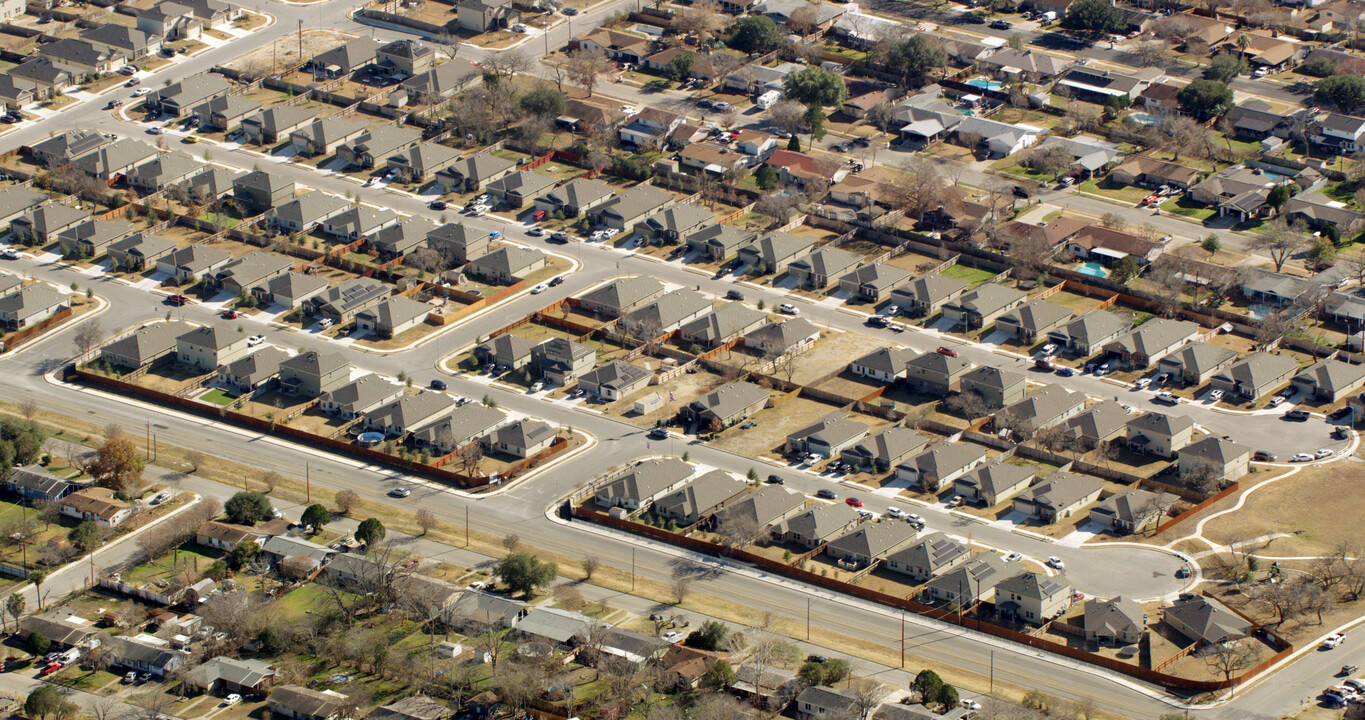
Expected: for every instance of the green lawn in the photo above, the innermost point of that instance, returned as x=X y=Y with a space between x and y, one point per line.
x=223 y=220
x=190 y=557
x=302 y=601
x=88 y=681
x=1342 y=192
x=970 y=275
x=1190 y=208
x=1123 y=193
x=217 y=397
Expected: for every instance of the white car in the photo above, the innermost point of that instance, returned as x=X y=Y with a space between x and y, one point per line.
x=891 y=310
x=231 y=700
x=9 y=253
x=1056 y=563
x=400 y=492
x=255 y=340
x=1165 y=397
x=1049 y=349
x=1333 y=640
x=1215 y=395
x=895 y=512
x=1260 y=72
x=325 y=323
x=536 y=231
x=158 y=130
x=478 y=210
x=539 y=289
x=140 y=92
x=610 y=233
x=519 y=28
x=971 y=704
x=537 y=386
x=1142 y=383
x=915 y=520
x=1324 y=453
x=788 y=309
x=628 y=109
x=1014 y=557
x=1275 y=401
x=1302 y=457
x=673 y=636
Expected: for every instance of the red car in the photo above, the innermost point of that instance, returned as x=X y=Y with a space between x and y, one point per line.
x=855 y=502
x=947 y=351
x=231 y=314
x=177 y=299
x=51 y=668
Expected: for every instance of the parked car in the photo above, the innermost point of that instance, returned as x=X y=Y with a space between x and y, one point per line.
x=539 y=289
x=788 y=309
x=1142 y=383
x=1056 y=563
x=1215 y=395
x=854 y=502
x=1303 y=457
x=776 y=480
x=561 y=237
x=536 y=231
x=400 y=492
x=231 y=700
x=438 y=385
x=1340 y=433
x=556 y=281
x=1331 y=642
x=1263 y=456
x=945 y=350
x=826 y=494
x=1299 y=415
x=734 y=295
x=658 y=434
x=438 y=205
x=1167 y=398
x=915 y=521
x=140 y=92
x=1013 y=556
x=1065 y=371
x=1324 y=453
x=255 y=340
x=1001 y=25
x=9 y=253
x=895 y=512
x=177 y=300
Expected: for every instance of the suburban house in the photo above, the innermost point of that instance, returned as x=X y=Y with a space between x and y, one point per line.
x=468 y=423
x=1047 y=407
x=146 y=653
x=874 y=282
x=121 y=157
x=1114 y=622
x=763 y=508
x=423 y=163
x=981 y=307
x=1155 y=433
x=816 y=525
x=461 y=242
x=996 y=386
x=1206 y=620
x=290 y=290
x=35 y=482
x=1032 y=322
x=484 y=15
x=1032 y=597
x=666 y=313
x=775 y=252
x=614 y=380
x=359 y=223
x=300 y=703
x=827 y=436
x=885 y=450
x=306 y=212
x=725 y=323
x=643 y=483
x=508 y=350
x=392 y=317
x=1098 y=86
x=208 y=346
x=1058 y=496
x=254 y=371
x=409 y=413
x=96 y=504
x=144 y=345
x=777 y=339
x=374 y=146
x=622 y=296
x=672 y=224
x=971 y=582
x=139 y=251
x=1226 y=460
x=726 y=405
x=515 y=189
x=224 y=675
x=176 y=100
x=1153 y=173
x=822 y=267
x=90 y=238
x=312 y=373
x=1330 y=380
x=507 y=264
x=870 y=542
x=430 y=87
x=1088 y=333
x=936 y=373
x=1257 y=374
x=226 y=113
x=261 y=190
x=277 y=123
x=925 y=295
x=327 y=134
x=928 y=556
x=1098 y=424
x=1195 y=363
x=719 y=242
x=887 y=364
x=561 y=361
x=358 y=397
x=246 y=272
x=33 y=303
x=522 y=439
x=575 y=197
x=1151 y=341
x=699 y=498
x=472 y=173
x=225 y=536
x=940 y=464
x=1131 y=510
x=993 y=484
x=818 y=701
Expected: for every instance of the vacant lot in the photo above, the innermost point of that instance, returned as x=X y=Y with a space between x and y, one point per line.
x=1317 y=507
x=774 y=424
x=833 y=351
x=679 y=391
x=849 y=385
x=269 y=60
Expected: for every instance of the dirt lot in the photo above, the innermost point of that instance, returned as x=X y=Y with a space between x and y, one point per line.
x=832 y=351
x=1318 y=506
x=849 y=385
x=684 y=388
x=915 y=262
x=270 y=59
x=168 y=378
x=774 y=424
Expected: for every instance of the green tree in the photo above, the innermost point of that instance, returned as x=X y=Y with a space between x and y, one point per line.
x=44 y=701
x=1126 y=269
x=242 y=554
x=680 y=65
x=815 y=119
x=85 y=537
x=1205 y=99
x=815 y=85
x=836 y=670
x=1333 y=233
x=1211 y=245
x=926 y=685
x=719 y=675
x=1346 y=92
x=794 y=144
x=766 y=176
x=247 y=508
x=946 y=697
x=273 y=642
x=543 y=102
x=37 y=644
x=316 y=516
x=523 y=572
x=370 y=531
x=1225 y=68
x=1093 y=18
x=914 y=58
x=1279 y=195
x=1322 y=252
x=755 y=34
x=710 y=636
x=812 y=673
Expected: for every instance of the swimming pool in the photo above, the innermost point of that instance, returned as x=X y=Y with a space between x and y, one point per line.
x=985 y=84
x=1093 y=269
x=1144 y=118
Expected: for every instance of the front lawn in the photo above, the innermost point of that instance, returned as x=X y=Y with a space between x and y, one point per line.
x=1127 y=194
x=1190 y=208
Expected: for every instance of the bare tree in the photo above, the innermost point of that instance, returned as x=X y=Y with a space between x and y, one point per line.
x=511 y=542
x=1287 y=599
x=681 y=589
x=1151 y=52
x=1230 y=658
x=583 y=66
x=1281 y=241
x=347 y=501
x=426 y=520
x=88 y=336
x=738 y=530
x=471 y=457
x=590 y=565
x=788 y=115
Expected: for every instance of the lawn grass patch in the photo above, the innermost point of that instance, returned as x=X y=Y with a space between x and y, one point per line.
x=970 y=275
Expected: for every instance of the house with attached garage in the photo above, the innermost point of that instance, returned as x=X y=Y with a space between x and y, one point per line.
x=649 y=127
x=1204 y=619
x=142 y=346
x=1194 y=363
x=358 y=397
x=627 y=210
x=1097 y=424
x=324 y=136
x=561 y=361
x=82 y=59
x=799 y=169
x=1272 y=288
x=208 y=346
x=121 y=157
x=92 y=238
x=928 y=556
x=306 y=212
x=873 y=282
x=1155 y=433
x=260 y=190
x=484 y=15
x=884 y=450
x=358 y=222
x=1047 y=407
x=299 y=703
x=35 y=482
x=971 y=582
x=763 y=508
x=1318 y=211
x=667 y=313
x=1151 y=172
x=924 y=295
x=374 y=146
x=827 y=436
x=176 y=100
x=224 y=536
x=1115 y=622
x=63 y=148
x=936 y=373
x=47 y=222
x=643 y=483
x=223 y=675
x=507 y=264
x=33 y=304
x=777 y=339
x=710 y=158
x=1098 y=86
x=146 y=653
x=622 y=296
x=1255 y=375
x=312 y=373
x=996 y=386
x=508 y=350
x=1330 y=380
x=993 y=484
x=208 y=185
x=277 y=123
x=820 y=701
x=290 y=290
x=516 y=188
x=131 y=42
x=98 y=505
x=1131 y=510
x=615 y=380
x=672 y=224
x=16 y=92
x=422 y=163
x=1032 y=322
x=823 y=267
x=871 y=542
x=1151 y=341
x=522 y=439
x=63 y=630
x=449 y=78
x=885 y=364
x=409 y=413
x=719 y=242
x=941 y=464
x=226 y=113
x=1345 y=308
x=246 y=272
x=726 y=405
x=408 y=234
x=996 y=139
x=472 y=173
x=392 y=317
x=467 y=424
x=979 y=308
x=170 y=169
x=461 y=242
x=774 y=252
x=1026 y=64
x=1032 y=597
x=700 y=498
x=339 y=303
x=1338 y=133
x=1058 y=496
x=575 y=197
x=816 y=525
x=621 y=46
x=1088 y=333
x=725 y=323
x=404 y=57
x=253 y=371
x=1226 y=460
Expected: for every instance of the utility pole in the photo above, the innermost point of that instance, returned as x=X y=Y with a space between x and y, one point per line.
x=307 y=483
x=992 y=672
x=903 y=641
x=148 y=450
x=807 y=619
x=632 y=569
x=301 y=39
x=466 y=526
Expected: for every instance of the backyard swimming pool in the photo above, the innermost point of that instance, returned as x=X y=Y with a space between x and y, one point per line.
x=985 y=84
x=1093 y=269
x=1144 y=118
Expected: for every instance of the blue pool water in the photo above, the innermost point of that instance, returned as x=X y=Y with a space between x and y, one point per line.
x=1144 y=119
x=1093 y=269
x=985 y=84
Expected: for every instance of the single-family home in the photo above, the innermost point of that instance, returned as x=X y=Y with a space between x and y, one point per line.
x=886 y=364
x=1032 y=597
x=719 y=242
x=507 y=264
x=462 y=243
x=1117 y=621
x=246 y=272
x=614 y=380
x=374 y=146
x=121 y=157
x=208 y=346
x=277 y=123
x=885 y=450
x=981 y=307
x=1226 y=460
x=699 y=498
x=820 y=701
x=827 y=436
x=290 y=290
x=936 y=373
x=870 y=542
x=575 y=197
x=473 y=172
x=225 y=113
x=777 y=339
x=306 y=212
x=168 y=170
x=1154 y=433
x=143 y=345
x=925 y=295
x=128 y=41
x=408 y=234
x=516 y=188
x=1153 y=173
x=358 y=397
x=998 y=387
x=508 y=350
x=98 y=505
x=1086 y=334
x=725 y=323
x=254 y=371
x=1058 y=496
x=312 y=373
x=726 y=405
x=1330 y=380
x=468 y=423
x=643 y=483
x=325 y=135
x=813 y=527
x=392 y=317
x=33 y=304
x=993 y=484
x=1032 y=322
x=665 y=314
x=822 y=267
x=453 y=76
x=37 y=483
x=874 y=282
x=928 y=556
x=358 y=222
x=1098 y=86
x=941 y=464
x=763 y=508
x=775 y=252
x=672 y=224
x=1255 y=375
x=1098 y=424
x=971 y=582
x=91 y=238
x=1193 y=364
x=423 y=162
x=622 y=296
x=523 y=438
x=1131 y=510
x=1206 y=620
x=1047 y=407
x=300 y=703
x=561 y=361
x=1151 y=341
x=177 y=99
x=409 y=413
x=145 y=653
x=800 y=169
